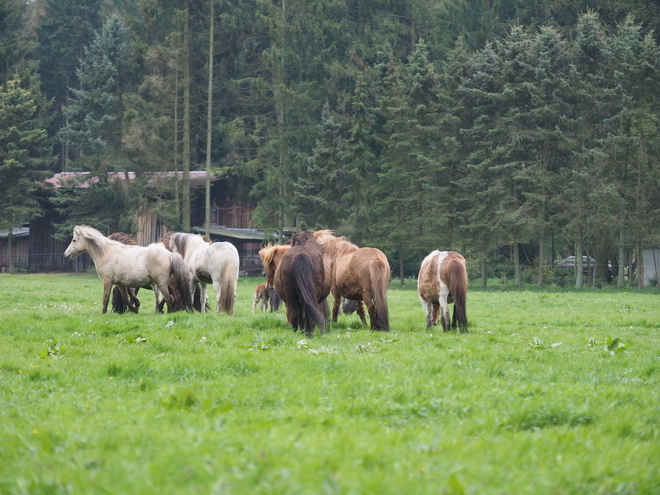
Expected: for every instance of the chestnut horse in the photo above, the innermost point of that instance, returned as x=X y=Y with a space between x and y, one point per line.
x=358 y=274
x=443 y=280
x=298 y=275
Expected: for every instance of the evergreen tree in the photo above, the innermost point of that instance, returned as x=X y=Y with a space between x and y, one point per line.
x=25 y=152
x=65 y=27
x=319 y=188
x=413 y=184
x=95 y=112
x=361 y=167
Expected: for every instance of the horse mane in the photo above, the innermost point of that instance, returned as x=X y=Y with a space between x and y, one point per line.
x=123 y=238
x=268 y=252
x=183 y=240
x=95 y=238
x=334 y=246
x=165 y=240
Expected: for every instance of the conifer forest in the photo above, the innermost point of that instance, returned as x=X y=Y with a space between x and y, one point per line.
x=407 y=125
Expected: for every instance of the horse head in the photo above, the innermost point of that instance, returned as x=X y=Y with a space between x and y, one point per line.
x=83 y=238
x=270 y=259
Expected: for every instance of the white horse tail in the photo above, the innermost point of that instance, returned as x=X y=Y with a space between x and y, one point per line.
x=228 y=291
x=180 y=284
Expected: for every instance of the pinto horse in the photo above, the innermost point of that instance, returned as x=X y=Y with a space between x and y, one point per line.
x=298 y=275
x=358 y=274
x=214 y=263
x=131 y=266
x=443 y=280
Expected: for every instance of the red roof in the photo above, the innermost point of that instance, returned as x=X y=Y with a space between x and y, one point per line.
x=67 y=179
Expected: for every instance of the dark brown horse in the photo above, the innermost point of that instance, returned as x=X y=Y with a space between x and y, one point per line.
x=443 y=280
x=358 y=274
x=299 y=275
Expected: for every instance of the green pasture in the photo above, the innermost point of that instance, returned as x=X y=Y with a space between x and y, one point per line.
x=551 y=392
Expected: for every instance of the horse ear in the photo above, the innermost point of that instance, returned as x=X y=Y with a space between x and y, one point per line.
x=76 y=230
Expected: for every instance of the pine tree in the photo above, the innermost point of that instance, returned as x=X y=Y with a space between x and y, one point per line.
x=66 y=26
x=319 y=188
x=361 y=166
x=25 y=152
x=95 y=112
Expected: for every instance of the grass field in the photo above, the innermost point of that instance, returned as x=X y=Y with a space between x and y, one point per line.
x=551 y=392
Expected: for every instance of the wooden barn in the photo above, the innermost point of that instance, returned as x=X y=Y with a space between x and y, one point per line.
x=20 y=249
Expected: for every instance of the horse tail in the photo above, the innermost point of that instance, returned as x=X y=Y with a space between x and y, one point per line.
x=306 y=280
x=380 y=279
x=181 y=283
x=458 y=285
x=228 y=290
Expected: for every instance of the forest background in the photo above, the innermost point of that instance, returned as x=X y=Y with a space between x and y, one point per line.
x=408 y=125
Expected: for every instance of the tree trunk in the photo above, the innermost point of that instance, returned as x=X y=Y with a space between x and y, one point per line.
x=516 y=262
x=539 y=282
x=209 y=131
x=185 y=183
x=177 y=200
x=401 y=271
x=622 y=257
x=579 y=270
x=484 y=266
x=10 y=244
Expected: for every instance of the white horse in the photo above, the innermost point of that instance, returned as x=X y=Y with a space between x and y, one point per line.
x=214 y=263
x=132 y=266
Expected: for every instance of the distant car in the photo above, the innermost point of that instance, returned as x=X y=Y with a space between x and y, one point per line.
x=570 y=263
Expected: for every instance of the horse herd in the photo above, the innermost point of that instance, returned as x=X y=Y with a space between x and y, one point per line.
x=302 y=273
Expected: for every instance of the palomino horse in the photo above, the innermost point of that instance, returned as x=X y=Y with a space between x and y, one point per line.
x=442 y=280
x=298 y=274
x=214 y=263
x=118 y=303
x=131 y=266
x=358 y=274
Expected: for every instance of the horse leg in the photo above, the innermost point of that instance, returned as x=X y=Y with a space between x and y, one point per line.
x=359 y=308
x=430 y=313
x=107 y=286
x=165 y=291
x=435 y=313
x=371 y=307
x=202 y=297
x=335 y=305
x=127 y=300
x=132 y=294
x=444 y=307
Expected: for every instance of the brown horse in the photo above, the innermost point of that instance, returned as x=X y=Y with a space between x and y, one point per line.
x=358 y=274
x=443 y=280
x=298 y=274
